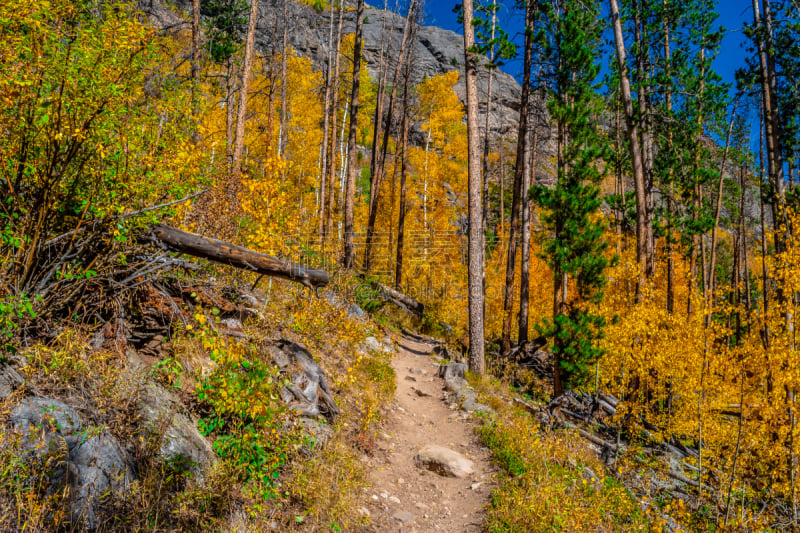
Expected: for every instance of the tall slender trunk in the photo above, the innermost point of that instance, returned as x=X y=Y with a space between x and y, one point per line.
x=350 y=185
x=636 y=155
x=769 y=97
x=247 y=66
x=669 y=192
x=734 y=294
x=283 y=134
x=770 y=120
x=487 y=139
x=765 y=333
x=334 y=116
x=620 y=179
x=645 y=116
x=271 y=145
x=741 y=241
x=773 y=117
x=284 y=44
x=502 y=189
x=195 y=54
x=525 y=266
x=486 y=146
x=477 y=361
x=718 y=209
x=377 y=176
x=393 y=201
x=398 y=277
x=698 y=250
x=377 y=119
x=326 y=126
x=519 y=171
x=230 y=113
x=743 y=228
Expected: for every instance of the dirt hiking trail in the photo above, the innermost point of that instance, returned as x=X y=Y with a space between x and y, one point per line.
x=408 y=498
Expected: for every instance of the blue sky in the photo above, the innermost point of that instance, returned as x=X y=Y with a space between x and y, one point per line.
x=733 y=15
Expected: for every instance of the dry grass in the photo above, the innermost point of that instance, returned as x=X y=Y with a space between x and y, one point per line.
x=317 y=490
x=544 y=484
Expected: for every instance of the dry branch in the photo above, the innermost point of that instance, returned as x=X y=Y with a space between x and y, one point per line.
x=132 y=214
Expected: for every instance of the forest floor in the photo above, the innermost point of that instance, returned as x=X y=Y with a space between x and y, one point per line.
x=403 y=497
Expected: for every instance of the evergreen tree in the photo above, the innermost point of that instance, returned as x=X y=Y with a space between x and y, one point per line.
x=576 y=251
x=226 y=22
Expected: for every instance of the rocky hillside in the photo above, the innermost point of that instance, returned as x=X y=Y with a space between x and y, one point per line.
x=436 y=51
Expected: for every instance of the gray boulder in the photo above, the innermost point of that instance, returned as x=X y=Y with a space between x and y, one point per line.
x=375 y=345
x=317 y=430
x=456 y=384
x=180 y=438
x=469 y=401
x=355 y=311
x=444 y=461
x=91 y=461
x=452 y=371
x=308 y=392
x=52 y=416
x=99 y=469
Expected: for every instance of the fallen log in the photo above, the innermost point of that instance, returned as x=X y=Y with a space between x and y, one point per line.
x=606 y=407
x=237 y=256
x=400 y=299
x=683 y=479
x=533 y=410
x=576 y=416
x=610 y=400
x=597 y=440
x=591 y=437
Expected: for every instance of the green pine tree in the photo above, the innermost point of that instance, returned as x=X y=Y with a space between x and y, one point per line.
x=576 y=251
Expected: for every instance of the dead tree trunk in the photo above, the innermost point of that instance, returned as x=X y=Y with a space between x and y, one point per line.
x=350 y=185
x=377 y=176
x=399 y=299
x=230 y=102
x=519 y=172
x=635 y=150
x=237 y=256
x=334 y=117
x=377 y=119
x=718 y=209
x=238 y=145
x=195 y=53
x=525 y=266
x=326 y=126
x=282 y=135
x=398 y=277
x=646 y=118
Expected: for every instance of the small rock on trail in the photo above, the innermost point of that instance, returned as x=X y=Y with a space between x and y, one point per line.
x=444 y=461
